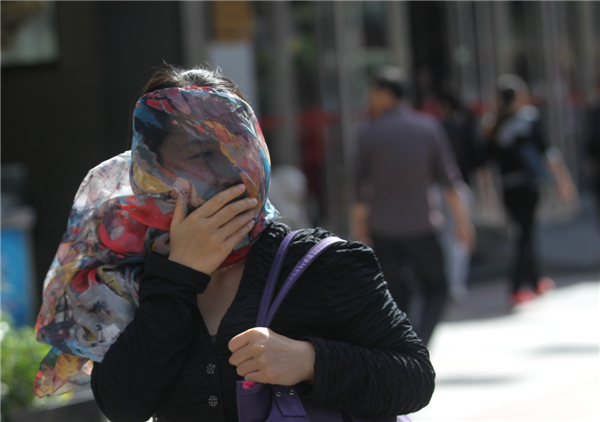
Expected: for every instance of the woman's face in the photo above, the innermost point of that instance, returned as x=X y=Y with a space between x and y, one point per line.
x=198 y=142
x=201 y=162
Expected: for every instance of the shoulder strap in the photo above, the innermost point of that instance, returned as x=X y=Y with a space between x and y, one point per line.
x=267 y=296
x=265 y=315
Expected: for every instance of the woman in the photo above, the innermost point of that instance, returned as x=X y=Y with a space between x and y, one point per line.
x=168 y=280
x=518 y=147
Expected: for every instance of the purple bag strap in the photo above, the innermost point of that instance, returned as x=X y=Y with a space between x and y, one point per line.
x=267 y=296
x=267 y=310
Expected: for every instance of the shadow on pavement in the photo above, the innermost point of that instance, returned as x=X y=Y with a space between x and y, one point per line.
x=568 y=349
x=470 y=380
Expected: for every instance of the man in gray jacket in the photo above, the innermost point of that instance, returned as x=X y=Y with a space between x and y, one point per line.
x=401 y=154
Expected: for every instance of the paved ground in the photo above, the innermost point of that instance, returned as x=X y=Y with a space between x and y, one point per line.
x=538 y=362
x=574 y=243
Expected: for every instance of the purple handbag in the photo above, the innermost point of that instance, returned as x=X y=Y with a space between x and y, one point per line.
x=277 y=403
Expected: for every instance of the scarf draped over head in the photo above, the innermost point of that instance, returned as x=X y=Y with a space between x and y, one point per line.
x=190 y=143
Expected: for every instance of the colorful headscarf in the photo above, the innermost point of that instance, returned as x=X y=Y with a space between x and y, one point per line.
x=188 y=142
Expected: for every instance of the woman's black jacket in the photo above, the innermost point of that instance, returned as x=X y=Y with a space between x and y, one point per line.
x=368 y=359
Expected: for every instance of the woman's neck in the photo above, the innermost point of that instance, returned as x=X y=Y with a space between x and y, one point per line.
x=219 y=294
x=221 y=275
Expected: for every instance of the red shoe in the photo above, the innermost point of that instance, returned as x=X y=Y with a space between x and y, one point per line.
x=544 y=285
x=522 y=296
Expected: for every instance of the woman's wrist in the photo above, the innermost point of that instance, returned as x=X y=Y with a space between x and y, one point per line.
x=308 y=360
x=162 y=277
x=193 y=264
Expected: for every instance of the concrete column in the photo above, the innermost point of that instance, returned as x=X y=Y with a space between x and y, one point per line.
x=342 y=82
x=351 y=76
x=588 y=42
x=193 y=32
x=466 y=51
x=534 y=48
x=283 y=94
x=560 y=128
x=563 y=45
x=346 y=45
x=453 y=43
x=330 y=214
x=503 y=37
x=550 y=42
x=485 y=49
x=398 y=34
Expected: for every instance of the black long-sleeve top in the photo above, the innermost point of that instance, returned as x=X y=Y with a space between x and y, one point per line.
x=518 y=147
x=368 y=359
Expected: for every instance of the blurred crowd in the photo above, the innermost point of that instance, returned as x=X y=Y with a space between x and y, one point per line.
x=407 y=153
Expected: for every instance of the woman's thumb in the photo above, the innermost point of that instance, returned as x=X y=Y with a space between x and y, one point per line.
x=178 y=215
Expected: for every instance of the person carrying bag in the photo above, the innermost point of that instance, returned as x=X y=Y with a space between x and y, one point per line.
x=154 y=294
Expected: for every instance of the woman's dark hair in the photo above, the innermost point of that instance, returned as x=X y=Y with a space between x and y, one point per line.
x=392 y=79
x=177 y=77
x=507 y=88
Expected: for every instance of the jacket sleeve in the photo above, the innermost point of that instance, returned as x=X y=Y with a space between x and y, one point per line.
x=362 y=166
x=129 y=383
x=445 y=168
x=374 y=364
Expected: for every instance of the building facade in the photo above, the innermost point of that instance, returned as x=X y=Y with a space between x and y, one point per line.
x=303 y=66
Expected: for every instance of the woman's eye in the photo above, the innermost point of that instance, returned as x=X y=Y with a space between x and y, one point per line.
x=203 y=154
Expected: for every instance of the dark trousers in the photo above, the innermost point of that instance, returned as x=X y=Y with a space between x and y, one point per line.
x=424 y=255
x=521 y=203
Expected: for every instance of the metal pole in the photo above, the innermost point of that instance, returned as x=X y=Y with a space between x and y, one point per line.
x=284 y=102
x=466 y=51
x=453 y=42
x=548 y=37
x=329 y=99
x=503 y=40
x=485 y=50
x=588 y=63
x=398 y=34
x=566 y=108
x=193 y=32
x=344 y=65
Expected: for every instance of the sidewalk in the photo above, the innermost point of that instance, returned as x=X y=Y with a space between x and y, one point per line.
x=540 y=362
x=572 y=245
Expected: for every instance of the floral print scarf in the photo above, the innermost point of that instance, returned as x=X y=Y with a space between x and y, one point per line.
x=192 y=143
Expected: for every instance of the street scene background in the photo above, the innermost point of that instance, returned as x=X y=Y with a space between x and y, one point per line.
x=72 y=72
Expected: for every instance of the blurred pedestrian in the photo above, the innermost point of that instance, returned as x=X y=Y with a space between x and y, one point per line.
x=517 y=145
x=461 y=129
x=401 y=154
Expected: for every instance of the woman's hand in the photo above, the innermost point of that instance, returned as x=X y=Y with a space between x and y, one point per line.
x=261 y=355
x=566 y=190
x=465 y=233
x=203 y=239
